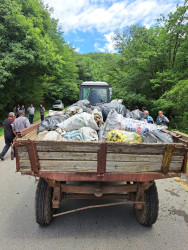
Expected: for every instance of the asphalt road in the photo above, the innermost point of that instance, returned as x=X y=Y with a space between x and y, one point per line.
x=99 y=228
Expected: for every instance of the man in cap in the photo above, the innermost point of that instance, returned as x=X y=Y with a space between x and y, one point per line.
x=8 y=134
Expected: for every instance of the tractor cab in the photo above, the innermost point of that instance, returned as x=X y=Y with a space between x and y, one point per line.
x=95 y=92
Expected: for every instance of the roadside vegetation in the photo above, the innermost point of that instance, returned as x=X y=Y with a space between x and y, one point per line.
x=1 y=131
x=37 y=65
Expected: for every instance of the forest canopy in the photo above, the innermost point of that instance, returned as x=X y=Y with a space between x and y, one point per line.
x=37 y=65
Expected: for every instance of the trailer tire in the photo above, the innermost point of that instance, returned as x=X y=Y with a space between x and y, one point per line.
x=43 y=203
x=148 y=215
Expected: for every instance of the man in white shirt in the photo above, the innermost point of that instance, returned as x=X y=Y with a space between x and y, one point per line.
x=31 y=111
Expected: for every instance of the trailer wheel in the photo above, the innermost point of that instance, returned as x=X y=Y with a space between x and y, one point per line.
x=43 y=203
x=148 y=215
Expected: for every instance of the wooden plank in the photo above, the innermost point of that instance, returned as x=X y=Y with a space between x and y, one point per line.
x=64 y=166
x=91 y=166
x=72 y=156
x=130 y=157
x=139 y=167
x=184 y=136
x=112 y=147
x=59 y=146
x=30 y=135
x=147 y=148
x=77 y=156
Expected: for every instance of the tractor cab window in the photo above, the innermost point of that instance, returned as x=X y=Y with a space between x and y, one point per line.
x=95 y=95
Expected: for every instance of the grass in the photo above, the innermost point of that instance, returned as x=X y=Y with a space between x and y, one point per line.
x=37 y=115
x=1 y=131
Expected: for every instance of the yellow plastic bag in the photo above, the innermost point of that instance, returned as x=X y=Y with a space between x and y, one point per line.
x=123 y=136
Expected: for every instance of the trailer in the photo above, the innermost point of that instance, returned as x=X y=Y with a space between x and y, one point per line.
x=98 y=170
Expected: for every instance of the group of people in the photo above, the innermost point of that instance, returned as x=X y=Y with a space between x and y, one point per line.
x=30 y=110
x=17 y=121
x=161 y=118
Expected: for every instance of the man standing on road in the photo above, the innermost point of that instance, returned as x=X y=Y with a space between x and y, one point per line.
x=42 y=110
x=161 y=119
x=21 y=122
x=8 y=134
x=31 y=111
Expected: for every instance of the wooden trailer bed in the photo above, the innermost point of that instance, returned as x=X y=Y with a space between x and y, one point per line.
x=104 y=170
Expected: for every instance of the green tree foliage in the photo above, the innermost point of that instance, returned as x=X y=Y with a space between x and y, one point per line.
x=35 y=61
x=151 y=67
x=175 y=103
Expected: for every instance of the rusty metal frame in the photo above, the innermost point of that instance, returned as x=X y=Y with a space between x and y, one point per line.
x=61 y=191
x=97 y=206
x=140 y=196
x=108 y=177
x=101 y=159
x=56 y=200
x=33 y=156
x=184 y=165
x=17 y=160
x=97 y=189
x=69 y=196
x=167 y=159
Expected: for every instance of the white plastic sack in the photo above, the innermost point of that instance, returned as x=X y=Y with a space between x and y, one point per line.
x=53 y=112
x=89 y=134
x=120 y=101
x=52 y=136
x=79 y=121
x=83 y=134
x=72 y=110
x=75 y=135
x=98 y=113
x=41 y=135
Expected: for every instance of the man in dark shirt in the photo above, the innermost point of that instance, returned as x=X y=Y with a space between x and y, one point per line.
x=8 y=134
x=42 y=110
x=23 y=108
x=17 y=109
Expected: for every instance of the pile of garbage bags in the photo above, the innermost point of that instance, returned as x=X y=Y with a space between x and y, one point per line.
x=110 y=121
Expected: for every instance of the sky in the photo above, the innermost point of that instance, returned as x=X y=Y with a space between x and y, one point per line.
x=90 y=25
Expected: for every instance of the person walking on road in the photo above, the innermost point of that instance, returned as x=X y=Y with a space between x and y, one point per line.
x=42 y=110
x=31 y=111
x=21 y=122
x=8 y=134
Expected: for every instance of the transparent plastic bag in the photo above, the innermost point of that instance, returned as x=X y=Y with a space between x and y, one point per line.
x=107 y=107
